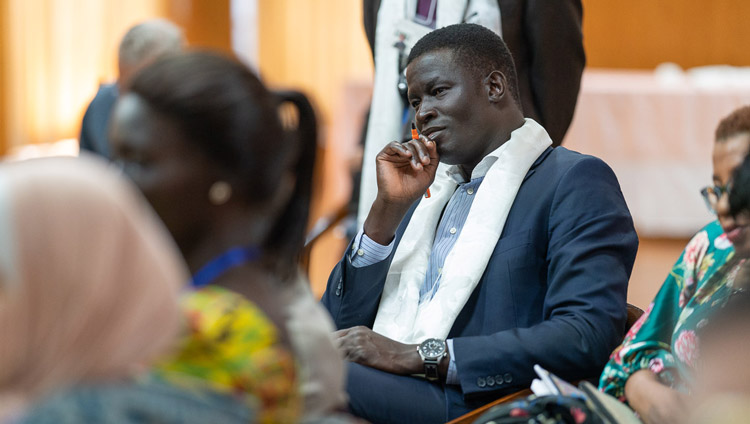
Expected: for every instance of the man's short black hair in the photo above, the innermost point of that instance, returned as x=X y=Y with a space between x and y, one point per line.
x=475 y=47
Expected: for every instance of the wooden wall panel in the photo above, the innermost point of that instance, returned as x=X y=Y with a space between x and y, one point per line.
x=4 y=39
x=207 y=23
x=317 y=46
x=55 y=54
x=645 y=33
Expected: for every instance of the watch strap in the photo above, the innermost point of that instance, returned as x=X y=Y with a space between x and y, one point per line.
x=431 y=369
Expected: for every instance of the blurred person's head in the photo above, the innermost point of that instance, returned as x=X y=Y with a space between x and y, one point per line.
x=739 y=208
x=724 y=345
x=721 y=385
x=462 y=84
x=202 y=138
x=731 y=146
x=144 y=43
x=721 y=408
x=89 y=278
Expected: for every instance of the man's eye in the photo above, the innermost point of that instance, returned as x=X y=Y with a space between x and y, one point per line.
x=438 y=90
x=414 y=104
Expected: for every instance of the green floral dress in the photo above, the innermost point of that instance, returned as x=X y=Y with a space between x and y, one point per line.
x=664 y=339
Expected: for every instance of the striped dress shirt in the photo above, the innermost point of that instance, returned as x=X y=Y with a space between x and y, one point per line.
x=366 y=252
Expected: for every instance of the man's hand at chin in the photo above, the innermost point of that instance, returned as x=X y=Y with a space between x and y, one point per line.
x=366 y=347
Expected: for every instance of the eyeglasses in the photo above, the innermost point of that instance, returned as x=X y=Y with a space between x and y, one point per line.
x=712 y=194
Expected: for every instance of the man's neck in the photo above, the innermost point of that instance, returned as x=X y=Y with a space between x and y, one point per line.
x=501 y=136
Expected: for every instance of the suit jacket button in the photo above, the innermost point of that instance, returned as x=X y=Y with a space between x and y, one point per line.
x=508 y=378
x=490 y=381
x=499 y=379
x=481 y=382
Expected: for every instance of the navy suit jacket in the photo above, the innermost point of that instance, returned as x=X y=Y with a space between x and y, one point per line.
x=553 y=293
x=95 y=125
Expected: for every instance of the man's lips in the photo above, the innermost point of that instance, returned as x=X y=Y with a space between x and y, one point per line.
x=432 y=132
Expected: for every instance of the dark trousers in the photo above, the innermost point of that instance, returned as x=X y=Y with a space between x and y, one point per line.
x=384 y=398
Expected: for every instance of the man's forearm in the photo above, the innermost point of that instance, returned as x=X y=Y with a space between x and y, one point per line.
x=383 y=220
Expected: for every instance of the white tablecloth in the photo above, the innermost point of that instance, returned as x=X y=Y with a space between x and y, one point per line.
x=656 y=131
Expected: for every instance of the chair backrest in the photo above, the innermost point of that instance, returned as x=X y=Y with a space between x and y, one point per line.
x=634 y=313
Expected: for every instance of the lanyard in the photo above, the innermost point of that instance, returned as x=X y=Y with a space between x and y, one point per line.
x=231 y=258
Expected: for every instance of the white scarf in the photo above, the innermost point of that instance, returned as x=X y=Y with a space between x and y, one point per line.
x=400 y=315
x=387 y=107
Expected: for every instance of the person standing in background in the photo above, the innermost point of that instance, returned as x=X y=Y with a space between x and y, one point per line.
x=544 y=37
x=140 y=46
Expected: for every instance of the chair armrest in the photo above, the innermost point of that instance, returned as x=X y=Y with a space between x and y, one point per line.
x=470 y=417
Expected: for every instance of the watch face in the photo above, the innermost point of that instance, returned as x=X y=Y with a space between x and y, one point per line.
x=432 y=348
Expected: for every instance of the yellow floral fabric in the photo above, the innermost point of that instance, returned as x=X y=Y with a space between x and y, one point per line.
x=234 y=348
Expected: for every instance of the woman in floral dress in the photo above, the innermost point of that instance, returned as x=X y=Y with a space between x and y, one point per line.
x=651 y=369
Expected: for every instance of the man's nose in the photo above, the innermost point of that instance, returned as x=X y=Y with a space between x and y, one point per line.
x=424 y=114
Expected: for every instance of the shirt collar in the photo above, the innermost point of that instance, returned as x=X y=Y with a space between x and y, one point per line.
x=454 y=171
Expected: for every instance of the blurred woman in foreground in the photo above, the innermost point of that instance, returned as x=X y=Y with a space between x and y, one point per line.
x=89 y=285
x=201 y=137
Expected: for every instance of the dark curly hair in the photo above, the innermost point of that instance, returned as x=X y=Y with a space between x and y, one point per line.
x=475 y=47
x=737 y=122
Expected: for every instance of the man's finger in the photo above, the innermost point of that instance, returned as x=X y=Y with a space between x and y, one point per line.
x=431 y=147
x=415 y=161
x=421 y=150
x=341 y=333
x=396 y=148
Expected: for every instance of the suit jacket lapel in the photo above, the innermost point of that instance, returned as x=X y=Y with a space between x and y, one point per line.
x=538 y=162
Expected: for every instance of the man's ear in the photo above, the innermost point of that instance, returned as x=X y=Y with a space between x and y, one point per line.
x=497 y=86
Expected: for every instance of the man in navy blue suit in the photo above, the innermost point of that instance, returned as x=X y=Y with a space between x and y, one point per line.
x=485 y=252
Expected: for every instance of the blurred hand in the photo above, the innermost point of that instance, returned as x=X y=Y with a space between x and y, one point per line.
x=655 y=402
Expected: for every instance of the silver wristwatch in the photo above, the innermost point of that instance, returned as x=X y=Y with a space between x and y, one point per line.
x=432 y=352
